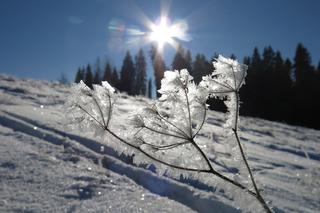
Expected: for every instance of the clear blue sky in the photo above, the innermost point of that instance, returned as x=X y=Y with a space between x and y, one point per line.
x=43 y=38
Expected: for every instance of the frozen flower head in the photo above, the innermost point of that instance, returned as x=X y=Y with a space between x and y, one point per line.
x=82 y=88
x=175 y=80
x=228 y=77
x=108 y=87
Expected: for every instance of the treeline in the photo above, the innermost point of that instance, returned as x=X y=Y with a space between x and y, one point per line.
x=131 y=78
x=282 y=90
x=276 y=88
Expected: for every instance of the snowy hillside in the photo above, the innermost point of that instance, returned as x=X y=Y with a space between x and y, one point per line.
x=47 y=166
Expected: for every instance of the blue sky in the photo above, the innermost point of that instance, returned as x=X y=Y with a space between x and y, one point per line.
x=43 y=38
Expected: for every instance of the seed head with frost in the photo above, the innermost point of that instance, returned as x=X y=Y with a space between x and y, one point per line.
x=165 y=132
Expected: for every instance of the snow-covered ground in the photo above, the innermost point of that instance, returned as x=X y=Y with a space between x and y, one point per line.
x=47 y=167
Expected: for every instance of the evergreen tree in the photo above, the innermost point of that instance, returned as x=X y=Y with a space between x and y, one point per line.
x=188 y=59
x=128 y=75
x=79 y=75
x=302 y=65
x=97 y=72
x=233 y=56
x=141 y=70
x=107 y=73
x=182 y=60
x=96 y=78
x=201 y=67
x=251 y=91
x=88 y=76
x=158 y=67
x=114 y=78
x=150 y=88
x=305 y=89
x=279 y=93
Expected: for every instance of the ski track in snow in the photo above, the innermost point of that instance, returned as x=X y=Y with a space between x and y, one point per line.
x=45 y=166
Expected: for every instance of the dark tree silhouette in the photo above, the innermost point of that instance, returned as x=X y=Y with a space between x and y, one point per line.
x=88 y=76
x=306 y=89
x=107 y=73
x=201 y=67
x=182 y=60
x=158 y=67
x=128 y=75
x=141 y=70
x=79 y=75
x=97 y=72
x=96 y=78
x=114 y=78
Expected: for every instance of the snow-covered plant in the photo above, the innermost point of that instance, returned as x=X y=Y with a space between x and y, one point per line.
x=164 y=133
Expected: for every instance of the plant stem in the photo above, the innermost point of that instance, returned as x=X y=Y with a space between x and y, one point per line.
x=235 y=131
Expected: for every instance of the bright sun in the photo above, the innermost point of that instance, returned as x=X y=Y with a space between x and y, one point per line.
x=163 y=33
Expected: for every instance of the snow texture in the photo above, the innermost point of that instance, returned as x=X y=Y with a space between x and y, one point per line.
x=47 y=166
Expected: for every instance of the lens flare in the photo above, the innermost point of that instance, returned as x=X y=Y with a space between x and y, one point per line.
x=163 y=32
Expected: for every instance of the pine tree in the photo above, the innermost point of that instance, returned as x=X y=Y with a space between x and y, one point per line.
x=88 y=76
x=158 y=67
x=141 y=70
x=233 y=56
x=97 y=73
x=114 y=81
x=251 y=91
x=79 y=75
x=180 y=61
x=302 y=65
x=188 y=59
x=305 y=88
x=201 y=67
x=96 y=78
x=107 y=73
x=128 y=75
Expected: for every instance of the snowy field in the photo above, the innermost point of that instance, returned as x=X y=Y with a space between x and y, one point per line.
x=45 y=166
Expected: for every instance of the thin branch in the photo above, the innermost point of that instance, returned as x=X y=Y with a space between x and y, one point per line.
x=234 y=78
x=183 y=133
x=99 y=108
x=203 y=120
x=242 y=79
x=90 y=115
x=110 y=110
x=141 y=150
x=164 y=133
x=228 y=86
x=188 y=108
x=164 y=147
x=235 y=131
x=152 y=157
x=258 y=195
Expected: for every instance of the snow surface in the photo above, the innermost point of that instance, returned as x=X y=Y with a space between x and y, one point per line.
x=46 y=166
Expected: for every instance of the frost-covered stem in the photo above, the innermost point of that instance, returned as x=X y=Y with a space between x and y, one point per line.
x=216 y=173
x=203 y=120
x=165 y=120
x=164 y=133
x=110 y=110
x=188 y=108
x=152 y=157
x=211 y=170
x=235 y=131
